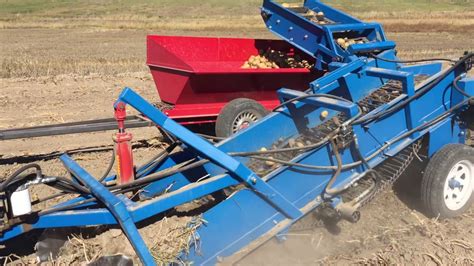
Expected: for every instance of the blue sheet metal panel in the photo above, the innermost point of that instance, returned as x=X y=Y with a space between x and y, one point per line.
x=318 y=86
x=434 y=102
x=445 y=133
x=231 y=225
x=423 y=69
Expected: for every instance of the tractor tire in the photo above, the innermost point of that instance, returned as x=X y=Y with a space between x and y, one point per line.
x=238 y=114
x=447 y=188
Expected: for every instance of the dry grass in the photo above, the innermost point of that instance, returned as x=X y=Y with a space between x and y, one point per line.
x=29 y=57
x=395 y=22
x=137 y=22
x=25 y=66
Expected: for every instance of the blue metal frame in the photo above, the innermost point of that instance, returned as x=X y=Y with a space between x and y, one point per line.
x=319 y=40
x=268 y=205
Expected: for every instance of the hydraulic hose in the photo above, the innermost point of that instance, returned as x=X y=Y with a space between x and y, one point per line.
x=157 y=159
x=159 y=175
x=456 y=87
x=14 y=177
x=329 y=189
x=109 y=167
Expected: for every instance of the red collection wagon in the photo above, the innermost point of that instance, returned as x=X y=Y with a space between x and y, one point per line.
x=200 y=80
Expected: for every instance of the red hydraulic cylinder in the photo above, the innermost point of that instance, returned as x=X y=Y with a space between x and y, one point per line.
x=123 y=148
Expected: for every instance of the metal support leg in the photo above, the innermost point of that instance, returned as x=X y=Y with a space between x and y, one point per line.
x=115 y=206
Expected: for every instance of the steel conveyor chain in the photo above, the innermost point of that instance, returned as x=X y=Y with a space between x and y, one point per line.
x=390 y=173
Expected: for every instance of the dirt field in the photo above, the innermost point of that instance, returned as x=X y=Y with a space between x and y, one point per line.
x=60 y=70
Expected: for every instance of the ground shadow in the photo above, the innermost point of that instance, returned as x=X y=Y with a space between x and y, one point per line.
x=408 y=186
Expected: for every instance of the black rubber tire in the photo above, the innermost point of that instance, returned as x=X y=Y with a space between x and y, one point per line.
x=230 y=112
x=434 y=178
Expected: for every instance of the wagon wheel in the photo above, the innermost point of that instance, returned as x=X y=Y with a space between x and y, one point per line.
x=448 y=182
x=237 y=115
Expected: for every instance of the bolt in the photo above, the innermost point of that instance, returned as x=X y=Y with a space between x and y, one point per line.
x=324 y=114
x=453 y=183
x=253 y=180
x=306 y=36
x=290 y=28
x=278 y=21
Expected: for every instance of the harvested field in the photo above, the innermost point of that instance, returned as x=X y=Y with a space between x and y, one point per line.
x=63 y=62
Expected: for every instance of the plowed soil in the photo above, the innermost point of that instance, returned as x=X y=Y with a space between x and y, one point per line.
x=393 y=229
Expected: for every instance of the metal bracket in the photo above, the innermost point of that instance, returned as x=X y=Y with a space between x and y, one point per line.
x=349 y=108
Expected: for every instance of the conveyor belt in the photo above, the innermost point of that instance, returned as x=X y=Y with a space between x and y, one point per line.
x=387 y=93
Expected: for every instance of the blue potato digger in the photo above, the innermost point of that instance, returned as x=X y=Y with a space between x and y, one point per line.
x=336 y=145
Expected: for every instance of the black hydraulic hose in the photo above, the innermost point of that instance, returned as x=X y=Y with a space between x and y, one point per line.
x=109 y=167
x=159 y=175
x=329 y=189
x=456 y=87
x=411 y=61
x=12 y=178
x=129 y=186
x=67 y=207
x=50 y=197
x=157 y=158
x=75 y=186
x=417 y=95
x=359 y=153
x=64 y=188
